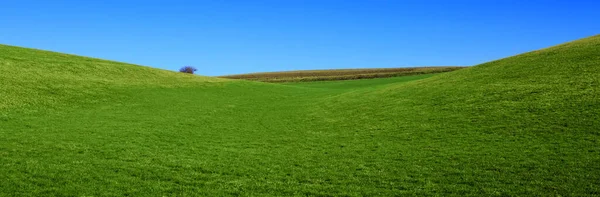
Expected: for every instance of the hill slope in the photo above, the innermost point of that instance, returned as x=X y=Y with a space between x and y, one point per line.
x=524 y=125
x=35 y=77
x=531 y=120
x=561 y=82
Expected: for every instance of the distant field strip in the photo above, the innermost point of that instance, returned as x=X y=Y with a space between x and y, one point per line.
x=339 y=74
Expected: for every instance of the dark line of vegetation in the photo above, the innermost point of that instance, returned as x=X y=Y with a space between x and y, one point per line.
x=339 y=74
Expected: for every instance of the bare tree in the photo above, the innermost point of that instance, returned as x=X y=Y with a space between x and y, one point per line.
x=187 y=69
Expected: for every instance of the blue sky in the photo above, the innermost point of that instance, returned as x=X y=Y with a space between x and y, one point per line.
x=229 y=37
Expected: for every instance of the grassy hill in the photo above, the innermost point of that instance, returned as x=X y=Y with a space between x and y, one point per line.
x=34 y=78
x=339 y=74
x=523 y=125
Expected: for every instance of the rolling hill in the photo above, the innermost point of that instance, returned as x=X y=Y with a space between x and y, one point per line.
x=523 y=125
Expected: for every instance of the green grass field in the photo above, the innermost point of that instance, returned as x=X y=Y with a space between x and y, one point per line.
x=527 y=125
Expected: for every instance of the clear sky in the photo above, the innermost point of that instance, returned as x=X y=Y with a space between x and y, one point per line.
x=229 y=37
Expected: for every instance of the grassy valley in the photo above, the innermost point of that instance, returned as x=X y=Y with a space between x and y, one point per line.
x=523 y=125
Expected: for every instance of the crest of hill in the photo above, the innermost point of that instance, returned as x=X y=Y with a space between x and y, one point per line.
x=31 y=65
x=35 y=77
x=567 y=66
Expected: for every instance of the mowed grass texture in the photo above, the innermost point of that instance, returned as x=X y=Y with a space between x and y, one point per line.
x=339 y=74
x=522 y=126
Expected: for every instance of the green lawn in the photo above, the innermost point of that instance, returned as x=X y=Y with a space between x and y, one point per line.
x=520 y=126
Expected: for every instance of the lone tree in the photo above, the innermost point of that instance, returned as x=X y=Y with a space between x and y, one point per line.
x=187 y=69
